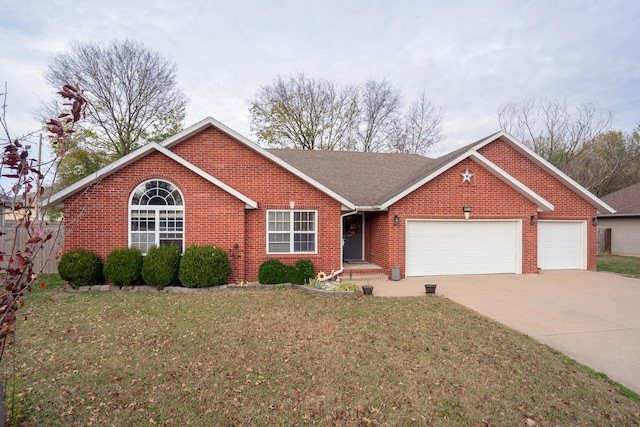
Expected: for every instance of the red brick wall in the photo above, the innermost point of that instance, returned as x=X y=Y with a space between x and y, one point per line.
x=567 y=204
x=376 y=238
x=97 y=218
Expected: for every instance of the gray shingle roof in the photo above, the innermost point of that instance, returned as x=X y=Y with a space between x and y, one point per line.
x=625 y=201
x=366 y=179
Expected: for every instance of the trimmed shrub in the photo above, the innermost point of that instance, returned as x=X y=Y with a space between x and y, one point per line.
x=81 y=268
x=304 y=272
x=272 y=272
x=160 y=266
x=123 y=266
x=204 y=266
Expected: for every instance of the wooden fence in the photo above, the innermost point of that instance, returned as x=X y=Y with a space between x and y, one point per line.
x=45 y=259
x=604 y=241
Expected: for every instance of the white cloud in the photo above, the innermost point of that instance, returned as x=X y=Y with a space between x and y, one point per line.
x=470 y=57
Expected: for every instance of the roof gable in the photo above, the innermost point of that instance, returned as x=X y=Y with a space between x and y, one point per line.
x=542 y=204
x=547 y=167
x=58 y=198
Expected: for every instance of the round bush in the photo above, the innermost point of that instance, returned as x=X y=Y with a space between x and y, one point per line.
x=123 y=266
x=304 y=272
x=272 y=271
x=81 y=268
x=160 y=266
x=204 y=266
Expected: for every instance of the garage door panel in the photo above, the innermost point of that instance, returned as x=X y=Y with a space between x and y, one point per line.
x=561 y=245
x=462 y=247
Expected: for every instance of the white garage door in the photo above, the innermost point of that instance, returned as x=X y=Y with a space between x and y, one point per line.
x=438 y=248
x=562 y=245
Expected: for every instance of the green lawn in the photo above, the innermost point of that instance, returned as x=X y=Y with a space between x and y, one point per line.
x=290 y=358
x=627 y=265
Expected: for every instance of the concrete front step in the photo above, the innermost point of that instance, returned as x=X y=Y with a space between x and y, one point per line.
x=363 y=275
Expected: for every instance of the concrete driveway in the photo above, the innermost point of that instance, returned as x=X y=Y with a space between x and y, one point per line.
x=591 y=317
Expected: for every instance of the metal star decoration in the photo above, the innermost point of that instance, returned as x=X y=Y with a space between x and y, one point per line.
x=466 y=176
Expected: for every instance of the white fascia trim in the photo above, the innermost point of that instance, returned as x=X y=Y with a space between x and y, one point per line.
x=543 y=205
x=249 y=204
x=255 y=147
x=552 y=170
x=134 y=156
x=58 y=198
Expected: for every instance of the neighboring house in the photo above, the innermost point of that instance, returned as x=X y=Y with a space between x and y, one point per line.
x=491 y=207
x=625 y=223
x=9 y=215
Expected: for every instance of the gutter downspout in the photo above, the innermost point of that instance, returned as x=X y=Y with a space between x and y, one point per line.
x=335 y=273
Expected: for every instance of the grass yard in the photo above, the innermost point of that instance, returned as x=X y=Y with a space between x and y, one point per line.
x=290 y=358
x=627 y=265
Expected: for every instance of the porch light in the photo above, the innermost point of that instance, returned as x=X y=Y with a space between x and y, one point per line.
x=533 y=220
x=467 y=211
x=594 y=221
x=396 y=220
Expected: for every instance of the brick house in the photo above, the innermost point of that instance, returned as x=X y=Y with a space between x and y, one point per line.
x=493 y=206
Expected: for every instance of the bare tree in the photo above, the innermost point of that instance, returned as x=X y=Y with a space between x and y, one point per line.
x=420 y=130
x=131 y=90
x=380 y=111
x=550 y=128
x=305 y=113
x=308 y=113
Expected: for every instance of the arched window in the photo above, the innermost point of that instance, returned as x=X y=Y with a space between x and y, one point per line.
x=156 y=215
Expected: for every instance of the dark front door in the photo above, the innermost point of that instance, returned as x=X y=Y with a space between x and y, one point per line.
x=352 y=234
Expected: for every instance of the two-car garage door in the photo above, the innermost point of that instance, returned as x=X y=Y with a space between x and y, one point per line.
x=436 y=248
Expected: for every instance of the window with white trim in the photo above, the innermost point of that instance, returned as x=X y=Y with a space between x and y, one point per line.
x=156 y=216
x=291 y=231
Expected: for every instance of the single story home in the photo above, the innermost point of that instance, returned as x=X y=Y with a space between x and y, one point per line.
x=624 y=224
x=493 y=206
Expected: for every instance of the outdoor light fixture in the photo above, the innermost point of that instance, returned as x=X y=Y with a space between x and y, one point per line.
x=594 y=221
x=467 y=211
x=533 y=220
x=396 y=220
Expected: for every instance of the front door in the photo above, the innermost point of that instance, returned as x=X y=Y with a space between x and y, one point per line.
x=352 y=234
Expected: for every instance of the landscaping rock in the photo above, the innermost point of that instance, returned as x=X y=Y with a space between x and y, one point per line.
x=183 y=290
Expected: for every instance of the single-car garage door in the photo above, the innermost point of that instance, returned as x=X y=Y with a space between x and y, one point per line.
x=562 y=245
x=438 y=248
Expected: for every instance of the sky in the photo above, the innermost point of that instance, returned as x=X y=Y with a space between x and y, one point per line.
x=470 y=57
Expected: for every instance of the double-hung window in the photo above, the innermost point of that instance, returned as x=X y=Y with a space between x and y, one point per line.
x=156 y=216
x=291 y=231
